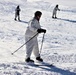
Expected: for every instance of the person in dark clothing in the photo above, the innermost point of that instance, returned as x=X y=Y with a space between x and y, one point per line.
x=17 y=13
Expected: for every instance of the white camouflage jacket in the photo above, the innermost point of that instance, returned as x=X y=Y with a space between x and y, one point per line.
x=32 y=28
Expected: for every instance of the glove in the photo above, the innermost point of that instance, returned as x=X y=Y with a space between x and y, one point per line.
x=41 y=31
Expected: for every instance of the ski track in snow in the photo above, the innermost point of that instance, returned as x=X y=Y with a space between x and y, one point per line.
x=59 y=46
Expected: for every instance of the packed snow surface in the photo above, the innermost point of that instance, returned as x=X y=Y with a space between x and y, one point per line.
x=59 y=46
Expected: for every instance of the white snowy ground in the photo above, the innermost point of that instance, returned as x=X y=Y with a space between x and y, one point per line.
x=59 y=46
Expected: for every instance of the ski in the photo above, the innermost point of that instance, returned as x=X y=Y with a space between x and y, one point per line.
x=41 y=64
x=48 y=65
x=36 y=65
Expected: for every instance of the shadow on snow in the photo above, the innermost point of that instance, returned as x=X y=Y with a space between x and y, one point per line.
x=73 y=21
x=57 y=70
x=23 y=21
x=51 y=68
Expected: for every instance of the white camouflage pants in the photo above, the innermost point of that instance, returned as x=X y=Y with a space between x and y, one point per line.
x=32 y=46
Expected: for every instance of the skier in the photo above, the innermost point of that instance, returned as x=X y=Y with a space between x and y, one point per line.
x=17 y=13
x=32 y=29
x=55 y=11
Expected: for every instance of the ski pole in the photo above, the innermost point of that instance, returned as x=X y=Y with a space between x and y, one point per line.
x=42 y=42
x=24 y=44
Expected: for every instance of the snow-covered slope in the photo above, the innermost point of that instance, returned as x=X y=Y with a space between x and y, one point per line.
x=59 y=46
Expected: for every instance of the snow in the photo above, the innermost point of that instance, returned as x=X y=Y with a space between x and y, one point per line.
x=59 y=46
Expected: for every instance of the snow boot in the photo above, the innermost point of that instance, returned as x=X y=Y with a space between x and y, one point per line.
x=55 y=17
x=29 y=60
x=39 y=59
x=52 y=17
x=15 y=19
x=19 y=19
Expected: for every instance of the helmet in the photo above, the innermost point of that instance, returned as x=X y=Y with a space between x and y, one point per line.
x=38 y=13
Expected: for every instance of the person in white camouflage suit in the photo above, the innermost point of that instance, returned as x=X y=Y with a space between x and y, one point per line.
x=32 y=29
x=55 y=11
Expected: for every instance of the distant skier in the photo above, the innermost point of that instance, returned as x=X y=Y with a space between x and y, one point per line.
x=17 y=13
x=32 y=29
x=55 y=11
